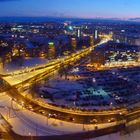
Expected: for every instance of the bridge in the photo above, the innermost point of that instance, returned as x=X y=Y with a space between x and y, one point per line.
x=37 y=73
x=27 y=77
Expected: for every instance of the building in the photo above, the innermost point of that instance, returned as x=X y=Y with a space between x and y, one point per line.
x=91 y=41
x=73 y=43
x=30 y=49
x=51 y=50
x=113 y=54
x=96 y=34
x=78 y=33
x=128 y=38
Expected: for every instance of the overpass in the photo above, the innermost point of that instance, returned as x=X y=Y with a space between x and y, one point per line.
x=29 y=76
x=38 y=73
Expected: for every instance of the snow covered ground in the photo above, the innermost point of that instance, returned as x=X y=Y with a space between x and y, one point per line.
x=27 y=62
x=117 y=136
x=25 y=122
x=74 y=92
x=89 y=89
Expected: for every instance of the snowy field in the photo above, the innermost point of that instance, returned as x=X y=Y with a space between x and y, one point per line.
x=25 y=122
x=117 y=136
x=87 y=89
x=27 y=62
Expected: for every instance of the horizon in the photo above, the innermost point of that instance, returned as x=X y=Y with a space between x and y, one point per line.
x=53 y=18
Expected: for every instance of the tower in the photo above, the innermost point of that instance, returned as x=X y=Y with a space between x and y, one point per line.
x=91 y=41
x=73 y=43
x=51 y=50
x=78 y=33
x=96 y=34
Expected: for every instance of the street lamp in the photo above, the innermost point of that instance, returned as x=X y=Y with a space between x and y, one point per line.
x=30 y=135
x=7 y=114
x=48 y=116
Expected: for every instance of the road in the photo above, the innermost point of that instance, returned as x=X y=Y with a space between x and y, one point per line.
x=18 y=77
x=38 y=73
x=21 y=78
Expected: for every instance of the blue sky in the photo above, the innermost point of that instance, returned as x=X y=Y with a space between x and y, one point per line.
x=71 y=8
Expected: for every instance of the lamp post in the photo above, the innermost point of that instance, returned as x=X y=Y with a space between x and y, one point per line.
x=22 y=72
x=47 y=119
x=84 y=125
x=30 y=136
x=8 y=112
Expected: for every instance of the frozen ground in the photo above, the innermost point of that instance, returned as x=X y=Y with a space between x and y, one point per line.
x=25 y=122
x=91 y=89
x=117 y=136
x=64 y=92
x=27 y=62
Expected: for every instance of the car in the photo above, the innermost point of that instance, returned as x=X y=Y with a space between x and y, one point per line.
x=52 y=115
x=42 y=111
x=29 y=107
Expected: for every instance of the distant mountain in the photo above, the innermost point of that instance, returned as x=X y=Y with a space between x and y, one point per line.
x=62 y=19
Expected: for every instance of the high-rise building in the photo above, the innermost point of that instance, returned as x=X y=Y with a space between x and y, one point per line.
x=78 y=33
x=96 y=34
x=91 y=41
x=51 y=50
x=73 y=43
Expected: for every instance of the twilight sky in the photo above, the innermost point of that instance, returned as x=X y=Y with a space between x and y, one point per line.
x=71 y=8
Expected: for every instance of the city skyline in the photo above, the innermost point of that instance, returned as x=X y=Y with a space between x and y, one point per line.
x=122 y=9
